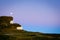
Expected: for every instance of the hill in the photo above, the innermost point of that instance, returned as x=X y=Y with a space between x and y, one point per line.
x=25 y=35
x=9 y=31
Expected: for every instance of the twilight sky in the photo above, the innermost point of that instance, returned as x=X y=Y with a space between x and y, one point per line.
x=34 y=15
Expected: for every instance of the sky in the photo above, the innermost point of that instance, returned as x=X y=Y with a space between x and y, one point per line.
x=34 y=15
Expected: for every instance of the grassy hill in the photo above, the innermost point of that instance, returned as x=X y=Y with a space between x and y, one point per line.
x=8 y=31
x=25 y=35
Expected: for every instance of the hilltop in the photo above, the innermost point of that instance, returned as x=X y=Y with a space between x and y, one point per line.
x=9 y=31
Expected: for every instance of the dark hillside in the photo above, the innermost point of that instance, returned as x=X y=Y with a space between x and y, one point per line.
x=9 y=31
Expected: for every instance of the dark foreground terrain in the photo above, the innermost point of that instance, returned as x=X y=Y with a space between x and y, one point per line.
x=8 y=31
x=25 y=35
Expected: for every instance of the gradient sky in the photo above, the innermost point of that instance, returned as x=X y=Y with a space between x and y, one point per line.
x=34 y=15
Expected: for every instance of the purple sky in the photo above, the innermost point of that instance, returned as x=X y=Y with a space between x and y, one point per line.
x=34 y=15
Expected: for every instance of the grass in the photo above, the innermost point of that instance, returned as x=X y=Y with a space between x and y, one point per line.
x=25 y=35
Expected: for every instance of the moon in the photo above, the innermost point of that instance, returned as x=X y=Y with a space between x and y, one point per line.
x=11 y=13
